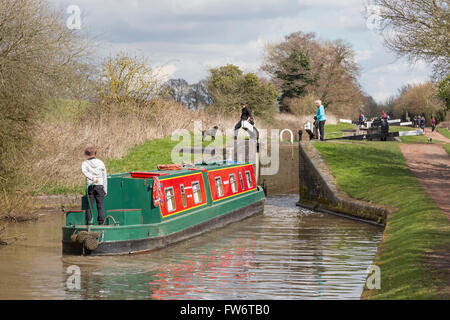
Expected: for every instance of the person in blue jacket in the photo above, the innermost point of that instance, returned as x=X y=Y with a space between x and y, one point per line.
x=321 y=119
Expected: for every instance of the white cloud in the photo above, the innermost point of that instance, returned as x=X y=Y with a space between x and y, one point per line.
x=363 y=55
x=165 y=72
x=187 y=38
x=384 y=80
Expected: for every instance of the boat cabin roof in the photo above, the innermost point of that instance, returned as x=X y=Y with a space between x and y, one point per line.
x=163 y=174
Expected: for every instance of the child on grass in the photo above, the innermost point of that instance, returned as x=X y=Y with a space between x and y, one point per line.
x=96 y=181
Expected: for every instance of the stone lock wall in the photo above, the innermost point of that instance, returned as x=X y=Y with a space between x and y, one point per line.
x=286 y=178
x=318 y=190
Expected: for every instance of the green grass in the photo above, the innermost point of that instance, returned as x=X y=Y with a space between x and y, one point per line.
x=414 y=139
x=334 y=130
x=378 y=172
x=419 y=140
x=447 y=148
x=444 y=132
x=398 y=129
x=153 y=152
x=143 y=157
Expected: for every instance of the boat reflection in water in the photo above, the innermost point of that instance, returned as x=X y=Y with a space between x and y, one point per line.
x=287 y=253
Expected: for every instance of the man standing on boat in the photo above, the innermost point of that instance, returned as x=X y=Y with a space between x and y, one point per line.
x=321 y=119
x=96 y=183
x=247 y=123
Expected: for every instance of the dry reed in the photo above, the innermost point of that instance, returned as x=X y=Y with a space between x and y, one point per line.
x=59 y=144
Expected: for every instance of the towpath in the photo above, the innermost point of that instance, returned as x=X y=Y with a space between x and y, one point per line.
x=430 y=164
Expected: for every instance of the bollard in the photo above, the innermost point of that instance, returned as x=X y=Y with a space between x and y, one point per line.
x=300 y=133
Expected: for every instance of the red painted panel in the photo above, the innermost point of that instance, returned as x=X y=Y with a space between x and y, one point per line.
x=225 y=175
x=187 y=182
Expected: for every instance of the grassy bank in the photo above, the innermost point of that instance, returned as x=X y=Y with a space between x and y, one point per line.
x=378 y=172
x=149 y=154
x=444 y=132
x=335 y=130
x=127 y=137
x=447 y=148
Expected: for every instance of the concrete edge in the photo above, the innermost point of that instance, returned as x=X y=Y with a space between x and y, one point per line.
x=331 y=199
x=334 y=213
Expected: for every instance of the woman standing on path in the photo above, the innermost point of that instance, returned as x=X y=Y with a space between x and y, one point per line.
x=321 y=119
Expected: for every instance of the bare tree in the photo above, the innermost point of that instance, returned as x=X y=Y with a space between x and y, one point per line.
x=178 y=89
x=418 y=29
x=338 y=81
x=420 y=99
x=198 y=96
x=301 y=67
x=126 y=78
x=40 y=58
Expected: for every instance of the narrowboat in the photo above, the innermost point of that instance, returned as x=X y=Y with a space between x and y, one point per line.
x=146 y=211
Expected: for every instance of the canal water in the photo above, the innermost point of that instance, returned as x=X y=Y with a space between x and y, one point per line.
x=285 y=253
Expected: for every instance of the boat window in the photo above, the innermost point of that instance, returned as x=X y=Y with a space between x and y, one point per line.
x=241 y=180
x=249 y=179
x=170 y=198
x=219 y=187
x=233 y=183
x=183 y=195
x=197 y=192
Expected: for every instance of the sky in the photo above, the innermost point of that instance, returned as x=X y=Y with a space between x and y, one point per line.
x=185 y=38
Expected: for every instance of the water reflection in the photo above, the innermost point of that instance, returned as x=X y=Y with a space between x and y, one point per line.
x=286 y=253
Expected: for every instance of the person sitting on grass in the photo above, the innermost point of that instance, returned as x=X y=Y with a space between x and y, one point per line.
x=96 y=182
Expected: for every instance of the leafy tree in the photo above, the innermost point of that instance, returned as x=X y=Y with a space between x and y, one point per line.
x=228 y=86
x=292 y=66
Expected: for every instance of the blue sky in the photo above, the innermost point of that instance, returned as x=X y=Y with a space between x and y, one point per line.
x=186 y=38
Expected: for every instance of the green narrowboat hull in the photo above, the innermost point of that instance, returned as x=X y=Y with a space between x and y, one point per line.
x=150 y=210
x=134 y=239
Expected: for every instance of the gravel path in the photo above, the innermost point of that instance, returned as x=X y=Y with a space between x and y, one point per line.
x=430 y=163
x=436 y=135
